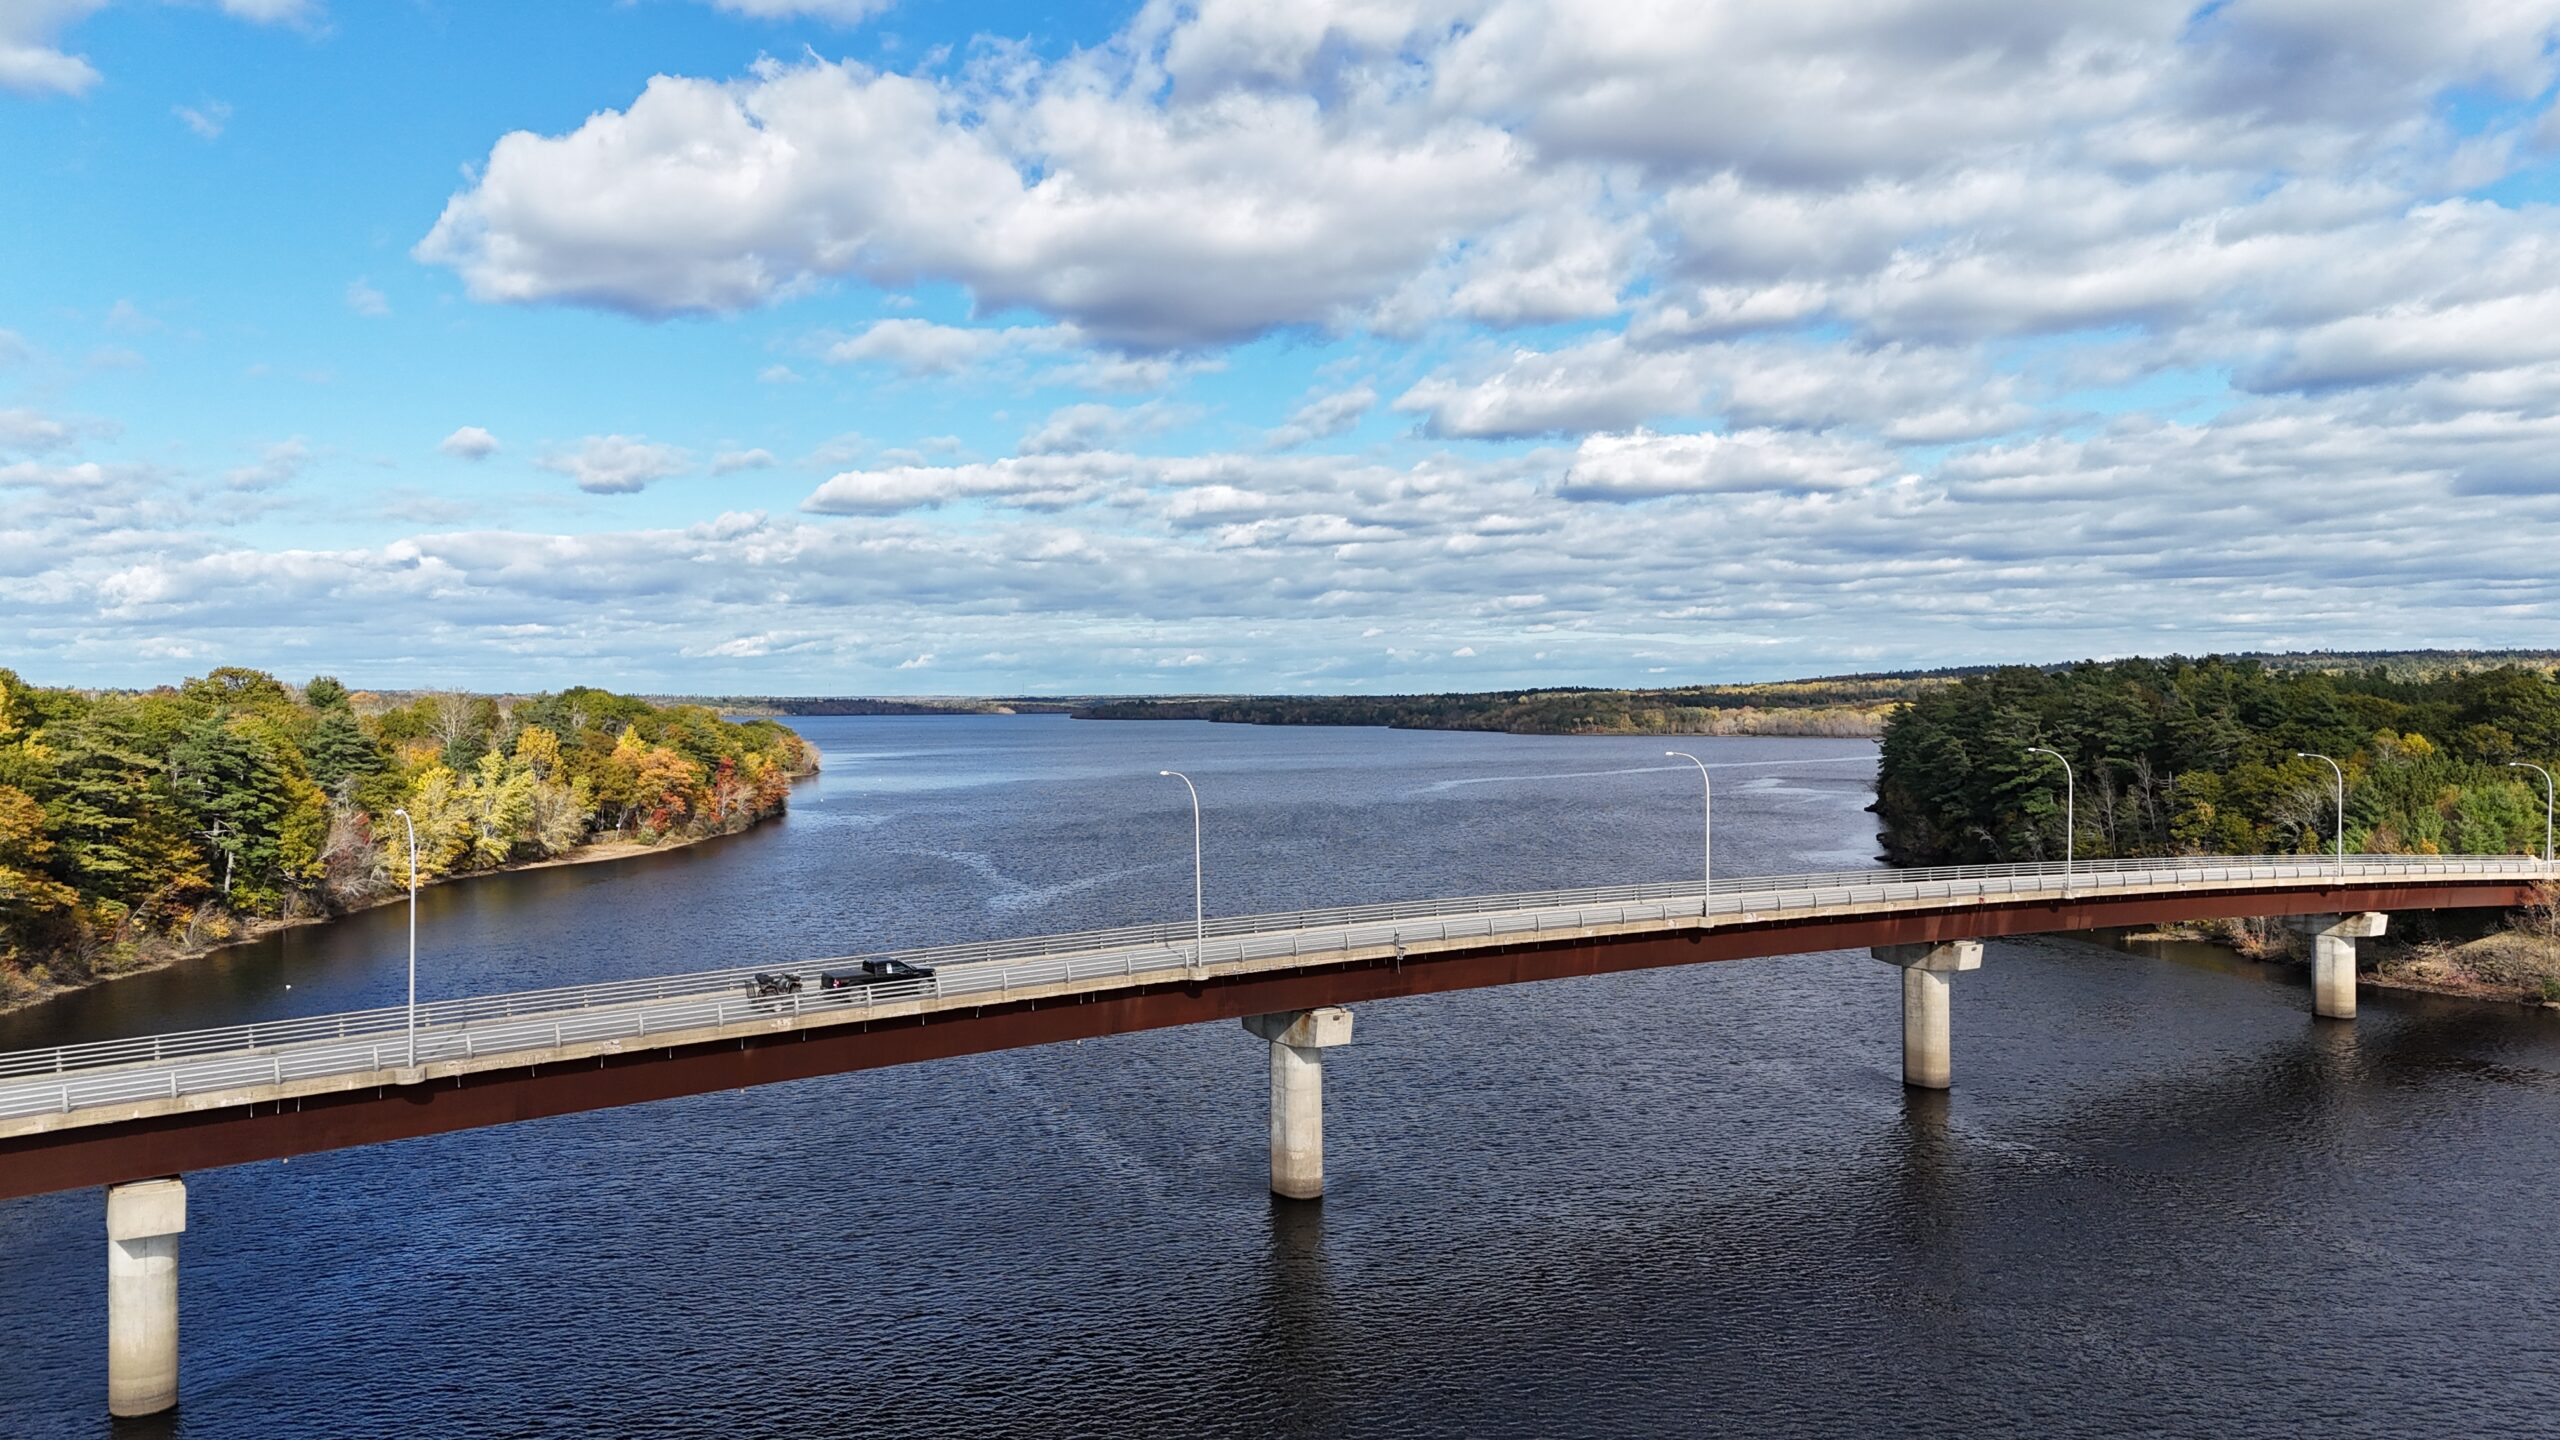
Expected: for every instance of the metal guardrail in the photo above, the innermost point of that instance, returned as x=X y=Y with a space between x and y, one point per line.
x=73 y=1077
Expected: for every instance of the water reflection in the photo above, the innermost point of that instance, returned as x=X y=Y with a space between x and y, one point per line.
x=1295 y=1360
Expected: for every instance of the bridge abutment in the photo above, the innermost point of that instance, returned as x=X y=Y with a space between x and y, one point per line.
x=1299 y=1039
x=1928 y=1043
x=144 y=1221
x=2333 y=958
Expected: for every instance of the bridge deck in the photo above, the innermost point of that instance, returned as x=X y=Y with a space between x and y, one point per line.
x=89 y=1113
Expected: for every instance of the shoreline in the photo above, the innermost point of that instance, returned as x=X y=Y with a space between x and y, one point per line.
x=2391 y=965
x=255 y=929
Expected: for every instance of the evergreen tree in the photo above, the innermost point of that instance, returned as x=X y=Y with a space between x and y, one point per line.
x=341 y=753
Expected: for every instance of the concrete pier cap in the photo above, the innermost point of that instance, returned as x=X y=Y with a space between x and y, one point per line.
x=144 y=1221
x=2361 y=925
x=147 y=1208
x=1318 y=1029
x=1948 y=956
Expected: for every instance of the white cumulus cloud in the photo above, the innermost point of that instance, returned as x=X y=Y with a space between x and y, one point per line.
x=469 y=443
x=1143 y=228
x=617 y=464
x=1643 y=465
x=1037 y=481
x=31 y=61
x=29 y=433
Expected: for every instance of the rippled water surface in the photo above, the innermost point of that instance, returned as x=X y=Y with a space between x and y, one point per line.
x=2162 y=1199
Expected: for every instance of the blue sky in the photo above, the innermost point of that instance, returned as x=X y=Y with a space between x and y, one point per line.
x=831 y=346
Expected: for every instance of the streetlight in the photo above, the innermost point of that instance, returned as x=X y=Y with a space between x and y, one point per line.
x=1706 y=832
x=1199 y=914
x=2546 y=805
x=2342 y=804
x=2070 y=813
x=413 y=935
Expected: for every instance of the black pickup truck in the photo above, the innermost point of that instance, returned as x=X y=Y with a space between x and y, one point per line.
x=873 y=972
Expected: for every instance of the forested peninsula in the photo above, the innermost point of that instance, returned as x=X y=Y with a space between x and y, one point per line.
x=139 y=828
x=2180 y=756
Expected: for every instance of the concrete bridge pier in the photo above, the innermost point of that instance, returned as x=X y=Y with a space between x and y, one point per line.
x=2333 y=958
x=144 y=1220
x=1928 y=1046
x=1299 y=1039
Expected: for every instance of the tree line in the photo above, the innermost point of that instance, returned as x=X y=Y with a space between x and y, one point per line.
x=1851 y=707
x=131 y=823
x=2198 y=756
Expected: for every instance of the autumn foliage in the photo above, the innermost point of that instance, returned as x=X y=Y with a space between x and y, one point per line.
x=130 y=824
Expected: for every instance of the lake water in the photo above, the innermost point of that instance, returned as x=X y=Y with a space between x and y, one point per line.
x=2161 y=1199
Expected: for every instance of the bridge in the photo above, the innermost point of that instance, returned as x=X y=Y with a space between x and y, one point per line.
x=133 y=1114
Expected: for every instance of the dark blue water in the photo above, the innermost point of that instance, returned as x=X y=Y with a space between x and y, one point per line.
x=2161 y=1199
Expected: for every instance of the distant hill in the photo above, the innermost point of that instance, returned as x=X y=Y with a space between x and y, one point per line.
x=868 y=705
x=1842 y=705
x=2402 y=665
x=1848 y=707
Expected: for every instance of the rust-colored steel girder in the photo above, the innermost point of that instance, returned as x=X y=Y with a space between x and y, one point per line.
x=203 y=1140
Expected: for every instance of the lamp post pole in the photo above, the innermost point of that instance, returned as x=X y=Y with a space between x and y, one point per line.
x=2070 y=814
x=1199 y=911
x=2335 y=769
x=413 y=935
x=2546 y=805
x=1706 y=834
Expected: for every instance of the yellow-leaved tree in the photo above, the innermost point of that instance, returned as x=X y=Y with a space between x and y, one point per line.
x=499 y=801
x=27 y=895
x=440 y=807
x=560 y=805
